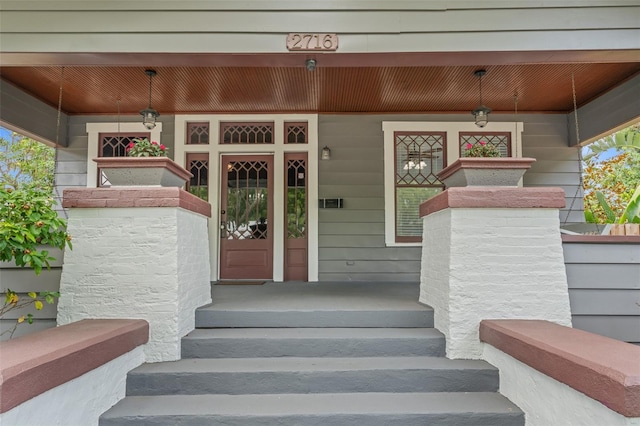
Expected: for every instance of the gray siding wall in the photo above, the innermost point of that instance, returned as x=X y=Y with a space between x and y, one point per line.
x=24 y=280
x=404 y=26
x=351 y=239
x=20 y=112
x=604 y=288
x=612 y=110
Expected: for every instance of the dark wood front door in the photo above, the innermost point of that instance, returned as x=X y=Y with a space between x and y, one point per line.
x=246 y=245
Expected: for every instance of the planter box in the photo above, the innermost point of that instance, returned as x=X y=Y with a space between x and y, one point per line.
x=474 y=171
x=143 y=171
x=625 y=229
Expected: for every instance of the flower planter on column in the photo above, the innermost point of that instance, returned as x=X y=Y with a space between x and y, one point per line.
x=143 y=171
x=485 y=171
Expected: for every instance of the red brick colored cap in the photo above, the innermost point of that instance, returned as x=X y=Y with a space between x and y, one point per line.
x=134 y=197
x=604 y=369
x=35 y=363
x=494 y=197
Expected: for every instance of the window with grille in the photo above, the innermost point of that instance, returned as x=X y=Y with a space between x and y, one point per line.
x=501 y=140
x=198 y=133
x=115 y=145
x=246 y=133
x=295 y=133
x=198 y=165
x=418 y=157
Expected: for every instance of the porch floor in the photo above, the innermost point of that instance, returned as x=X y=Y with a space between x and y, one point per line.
x=324 y=296
x=300 y=304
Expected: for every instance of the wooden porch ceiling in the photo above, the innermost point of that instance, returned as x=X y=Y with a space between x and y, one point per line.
x=269 y=84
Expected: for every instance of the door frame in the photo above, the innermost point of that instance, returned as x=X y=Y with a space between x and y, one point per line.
x=277 y=149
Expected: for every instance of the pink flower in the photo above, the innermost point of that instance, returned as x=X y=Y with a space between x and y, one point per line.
x=162 y=147
x=154 y=143
x=131 y=145
x=483 y=143
x=469 y=146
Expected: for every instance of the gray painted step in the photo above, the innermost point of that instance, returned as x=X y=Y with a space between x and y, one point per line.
x=371 y=409
x=213 y=316
x=286 y=375
x=312 y=342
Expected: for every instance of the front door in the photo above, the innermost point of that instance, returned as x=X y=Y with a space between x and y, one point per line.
x=246 y=234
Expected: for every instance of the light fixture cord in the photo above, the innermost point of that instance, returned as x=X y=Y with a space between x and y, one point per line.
x=56 y=191
x=150 y=83
x=580 y=169
x=119 y=137
x=515 y=102
x=481 y=91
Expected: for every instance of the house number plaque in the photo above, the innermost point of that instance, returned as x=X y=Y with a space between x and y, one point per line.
x=312 y=41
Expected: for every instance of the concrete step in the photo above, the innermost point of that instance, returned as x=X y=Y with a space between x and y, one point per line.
x=371 y=409
x=312 y=342
x=286 y=375
x=215 y=316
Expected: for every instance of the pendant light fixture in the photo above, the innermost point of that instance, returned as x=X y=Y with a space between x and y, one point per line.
x=149 y=114
x=481 y=113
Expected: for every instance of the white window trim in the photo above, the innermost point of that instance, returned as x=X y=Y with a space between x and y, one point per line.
x=93 y=133
x=277 y=149
x=453 y=153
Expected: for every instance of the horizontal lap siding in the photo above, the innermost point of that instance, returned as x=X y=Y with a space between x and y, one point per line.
x=351 y=239
x=447 y=26
x=604 y=288
x=546 y=138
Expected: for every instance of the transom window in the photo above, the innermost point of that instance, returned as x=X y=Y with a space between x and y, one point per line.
x=246 y=133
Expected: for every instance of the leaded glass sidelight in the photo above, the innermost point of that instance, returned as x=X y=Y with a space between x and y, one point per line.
x=247 y=200
x=246 y=133
x=501 y=140
x=418 y=158
x=198 y=165
x=296 y=199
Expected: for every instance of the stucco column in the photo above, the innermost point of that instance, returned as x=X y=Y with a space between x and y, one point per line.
x=492 y=253
x=137 y=253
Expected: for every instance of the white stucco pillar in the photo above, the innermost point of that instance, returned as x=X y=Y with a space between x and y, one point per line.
x=492 y=253
x=137 y=253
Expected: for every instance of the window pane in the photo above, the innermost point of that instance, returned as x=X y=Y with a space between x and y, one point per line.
x=502 y=141
x=408 y=221
x=418 y=158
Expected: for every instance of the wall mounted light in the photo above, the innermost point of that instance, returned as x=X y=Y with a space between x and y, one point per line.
x=149 y=114
x=311 y=64
x=481 y=113
x=326 y=153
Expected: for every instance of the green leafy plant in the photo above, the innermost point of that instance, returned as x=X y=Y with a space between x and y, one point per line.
x=481 y=149
x=631 y=213
x=28 y=221
x=12 y=301
x=145 y=148
x=25 y=163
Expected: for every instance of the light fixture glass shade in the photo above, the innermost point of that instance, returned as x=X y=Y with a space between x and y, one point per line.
x=326 y=153
x=482 y=115
x=149 y=116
